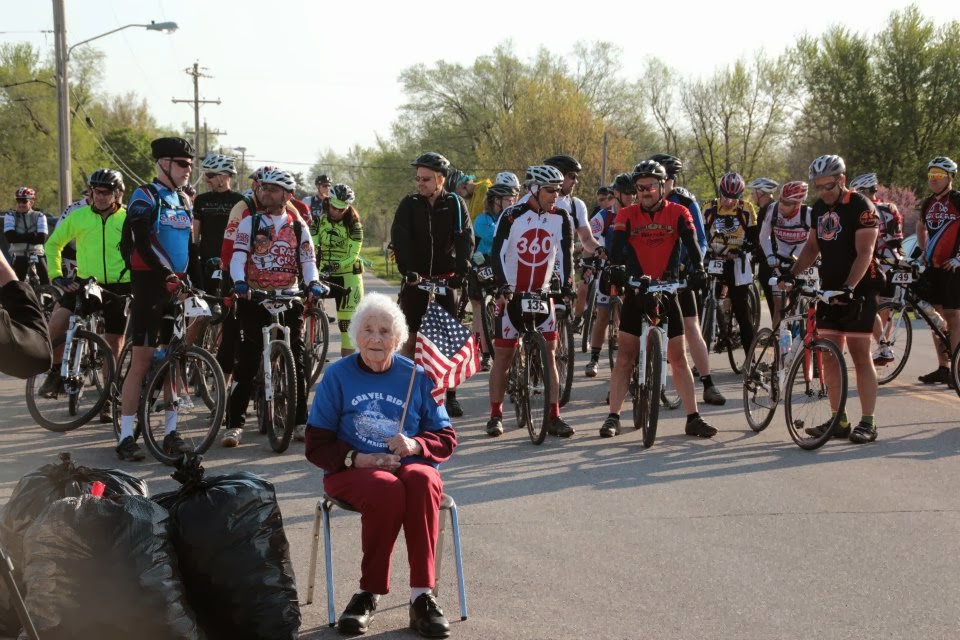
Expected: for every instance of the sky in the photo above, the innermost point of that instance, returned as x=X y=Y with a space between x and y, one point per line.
x=297 y=77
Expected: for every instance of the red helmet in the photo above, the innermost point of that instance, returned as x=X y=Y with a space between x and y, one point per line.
x=731 y=185
x=796 y=190
x=26 y=192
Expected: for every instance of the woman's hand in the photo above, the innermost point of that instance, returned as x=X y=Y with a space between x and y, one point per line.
x=404 y=446
x=385 y=461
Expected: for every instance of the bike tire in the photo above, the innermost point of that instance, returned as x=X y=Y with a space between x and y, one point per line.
x=94 y=353
x=708 y=322
x=488 y=311
x=736 y=353
x=753 y=304
x=640 y=408
x=316 y=344
x=282 y=410
x=669 y=396
x=761 y=393
x=116 y=390
x=651 y=388
x=515 y=390
x=199 y=434
x=901 y=340
x=537 y=386
x=613 y=330
x=564 y=357
x=589 y=312
x=806 y=399
x=955 y=369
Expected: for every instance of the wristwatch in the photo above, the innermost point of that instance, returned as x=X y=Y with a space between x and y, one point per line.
x=350 y=459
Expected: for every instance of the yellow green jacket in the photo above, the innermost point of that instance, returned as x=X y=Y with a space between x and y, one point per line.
x=98 y=245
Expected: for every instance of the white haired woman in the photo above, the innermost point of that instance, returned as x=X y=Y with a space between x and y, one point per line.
x=385 y=470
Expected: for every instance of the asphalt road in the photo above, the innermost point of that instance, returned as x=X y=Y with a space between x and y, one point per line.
x=742 y=536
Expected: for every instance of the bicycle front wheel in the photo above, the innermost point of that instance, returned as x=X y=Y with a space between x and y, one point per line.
x=82 y=393
x=613 y=330
x=515 y=389
x=761 y=393
x=807 y=400
x=280 y=414
x=174 y=400
x=564 y=357
x=488 y=311
x=753 y=304
x=652 y=388
x=537 y=386
x=896 y=339
x=116 y=389
x=589 y=311
x=316 y=335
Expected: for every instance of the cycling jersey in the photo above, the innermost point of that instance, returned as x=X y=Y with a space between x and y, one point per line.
x=891 y=230
x=783 y=236
x=730 y=227
x=684 y=197
x=837 y=225
x=339 y=247
x=26 y=232
x=649 y=243
x=212 y=210
x=940 y=216
x=268 y=257
x=239 y=211
x=98 y=254
x=601 y=227
x=529 y=247
x=166 y=242
x=572 y=205
x=484 y=228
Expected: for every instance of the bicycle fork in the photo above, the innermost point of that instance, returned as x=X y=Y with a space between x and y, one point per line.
x=267 y=367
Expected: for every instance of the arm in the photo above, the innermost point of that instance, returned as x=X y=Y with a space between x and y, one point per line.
x=438 y=445
x=501 y=235
x=866 y=240
x=140 y=216
x=566 y=248
x=697 y=216
x=400 y=235
x=60 y=237
x=308 y=258
x=240 y=250
x=10 y=227
x=808 y=254
x=765 y=230
x=688 y=237
x=463 y=240
x=325 y=450
x=24 y=341
x=354 y=244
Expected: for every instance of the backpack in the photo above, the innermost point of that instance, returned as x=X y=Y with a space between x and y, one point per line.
x=126 y=245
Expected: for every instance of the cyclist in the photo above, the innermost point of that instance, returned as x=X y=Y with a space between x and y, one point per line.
x=69 y=256
x=646 y=243
x=622 y=193
x=211 y=210
x=500 y=196
x=687 y=298
x=432 y=237
x=845 y=239
x=938 y=235
x=339 y=240
x=783 y=234
x=534 y=240
x=96 y=228
x=462 y=184
x=160 y=223
x=315 y=203
x=763 y=190
x=268 y=255
x=731 y=222
x=26 y=229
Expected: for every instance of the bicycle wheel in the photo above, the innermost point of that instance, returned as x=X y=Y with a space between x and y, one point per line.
x=640 y=408
x=669 y=396
x=613 y=330
x=897 y=333
x=955 y=369
x=123 y=365
x=708 y=321
x=515 y=388
x=753 y=304
x=280 y=414
x=169 y=390
x=82 y=395
x=806 y=401
x=651 y=388
x=564 y=357
x=536 y=385
x=589 y=314
x=736 y=350
x=761 y=393
x=463 y=303
x=488 y=311
x=316 y=333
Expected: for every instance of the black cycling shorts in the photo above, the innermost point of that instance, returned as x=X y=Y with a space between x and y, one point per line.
x=688 y=303
x=413 y=303
x=854 y=318
x=150 y=303
x=943 y=287
x=113 y=308
x=631 y=317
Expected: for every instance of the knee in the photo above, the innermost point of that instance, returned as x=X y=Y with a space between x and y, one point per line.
x=422 y=479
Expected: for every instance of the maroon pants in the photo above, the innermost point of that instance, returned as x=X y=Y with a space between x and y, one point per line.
x=386 y=501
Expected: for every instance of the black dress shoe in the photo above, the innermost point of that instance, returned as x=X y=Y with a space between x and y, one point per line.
x=358 y=615
x=426 y=617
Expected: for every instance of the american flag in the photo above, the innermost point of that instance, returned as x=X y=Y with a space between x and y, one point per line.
x=446 y=350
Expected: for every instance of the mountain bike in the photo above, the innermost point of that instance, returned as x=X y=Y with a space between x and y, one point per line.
x=565 y=344
x=717 y=322
x=592 y=267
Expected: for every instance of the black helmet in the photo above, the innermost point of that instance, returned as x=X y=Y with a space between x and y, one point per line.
x=604 y=190
x=624 y=184
x=106 y=178
x=172 y=147
x=454 y=176
x=432 y=160
x=566 y=164
x=649 y=169
x=322 y=179
x=501 y=191
x=672 y=164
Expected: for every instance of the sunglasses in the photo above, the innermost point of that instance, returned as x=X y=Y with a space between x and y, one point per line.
x=936 y=174
x=551 y=189
x=180 y=162
x=103 y=192
x=649 y=189
x=23 y=200
x=422 y=179
x=210 y=176
x=820 y=188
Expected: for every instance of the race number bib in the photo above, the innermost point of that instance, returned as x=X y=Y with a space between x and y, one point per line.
x=715 y=267
x=486 y=273
x=534 y=305
x=901 y=277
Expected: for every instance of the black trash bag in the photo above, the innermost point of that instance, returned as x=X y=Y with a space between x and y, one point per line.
x=9 y=622
x=105 y=568
x=233 y=553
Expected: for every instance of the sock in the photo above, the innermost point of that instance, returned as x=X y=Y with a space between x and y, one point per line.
x=844 y=422
x=554 y=410
x=613 y=415
x=870 y=420
x=127 y=426
x=595 y=353
x=416 y=592
x=707 y=381
x=693 y=416
x=496 y=409
x=171 y=422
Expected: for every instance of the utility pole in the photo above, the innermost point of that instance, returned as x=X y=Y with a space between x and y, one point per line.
x=603 y=161
x=206 y=137
x=195 y=73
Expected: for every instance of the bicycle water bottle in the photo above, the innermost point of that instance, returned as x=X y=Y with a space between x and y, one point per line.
x=158 y=355
x=785 y=344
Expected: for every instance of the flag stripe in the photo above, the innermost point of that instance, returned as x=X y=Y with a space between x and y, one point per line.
x=446 y=350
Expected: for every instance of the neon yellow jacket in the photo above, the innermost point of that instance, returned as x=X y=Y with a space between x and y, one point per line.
x=98 y=245
x=339 y=247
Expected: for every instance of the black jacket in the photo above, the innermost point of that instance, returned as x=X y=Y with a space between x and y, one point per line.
x=24 y=341
x=432 y=240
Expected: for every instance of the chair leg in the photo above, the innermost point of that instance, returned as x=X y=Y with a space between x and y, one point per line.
x=455 y=527
x=315 y=548
x=327 y=506
x=438 y=553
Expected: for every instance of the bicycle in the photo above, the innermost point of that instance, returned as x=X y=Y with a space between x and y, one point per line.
x=565 y=342
x=87 y=370
x=896 y=330
x=592 y=267
x=488 y=305
x=717 y=319
x=791 y=367
x=47 y=294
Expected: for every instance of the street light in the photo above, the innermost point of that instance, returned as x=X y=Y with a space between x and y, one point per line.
x=62 y=53
x=243 y=158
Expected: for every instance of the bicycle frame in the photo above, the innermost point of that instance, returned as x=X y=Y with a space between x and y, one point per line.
x=275 y=306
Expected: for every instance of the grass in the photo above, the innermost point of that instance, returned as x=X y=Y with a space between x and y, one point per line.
x=374 y=256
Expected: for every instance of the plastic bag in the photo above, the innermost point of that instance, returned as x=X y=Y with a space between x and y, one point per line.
x=234 y=556
x=105 y=568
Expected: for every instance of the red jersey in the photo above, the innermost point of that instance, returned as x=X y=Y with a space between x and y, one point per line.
x=941 y=218
x=655 y=238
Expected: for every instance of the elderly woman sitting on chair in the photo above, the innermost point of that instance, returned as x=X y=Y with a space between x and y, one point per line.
x=388 y=473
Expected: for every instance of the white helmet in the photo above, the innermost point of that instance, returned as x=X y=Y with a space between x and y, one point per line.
x=216 y=163
x=544 y=174
x=280 y=178
x=763 y=185
x=865 y=181
x=827 y=166
x=507 y=178
x=945 y=163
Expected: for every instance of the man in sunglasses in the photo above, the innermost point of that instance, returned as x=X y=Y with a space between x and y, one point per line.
x=211 y=210
x=845 y=239
x=25 y=230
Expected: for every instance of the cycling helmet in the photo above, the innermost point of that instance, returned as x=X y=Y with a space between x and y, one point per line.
x=731 y=185
x=507 y=178
x=566 y=164
x=454 y=178
x=341 y=196
x=26 y=192
x=672 y=164
x=544 y=174
x=865 y=181
x=280 y=178
x=501 y=191
x=796 y=190
x=432 y=160
x=945 y=163
x=624 y=184
x=826 y=167
x=216 y=163
x=322 y=179
x=604 y=190
x=262 y=171
x=764 y=185
x=106 y=178
x=649 y=169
